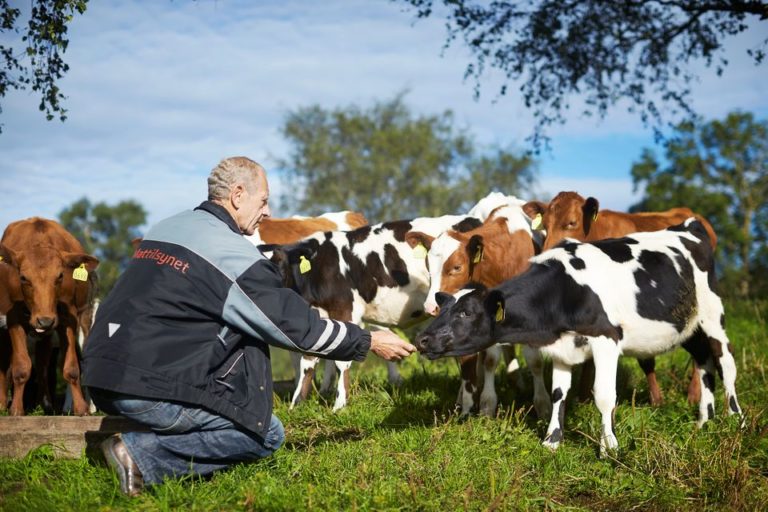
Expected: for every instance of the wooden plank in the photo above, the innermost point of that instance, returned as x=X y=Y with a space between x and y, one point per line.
x=69 y=436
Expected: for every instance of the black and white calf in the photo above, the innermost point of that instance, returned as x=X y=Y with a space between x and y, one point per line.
x=640 y=296
x=371 y=274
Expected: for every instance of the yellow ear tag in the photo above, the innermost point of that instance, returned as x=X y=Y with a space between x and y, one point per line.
x=536 y=222
x=500 y=312
x=478 y=256
x=304 y=265
x=420 y=252
x=80 y=273
x=1 y=258
x=594 y=217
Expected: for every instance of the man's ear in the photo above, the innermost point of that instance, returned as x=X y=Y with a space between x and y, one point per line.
x=136 y=242
x=236 y=196
x=414 y=238
x=590 y=211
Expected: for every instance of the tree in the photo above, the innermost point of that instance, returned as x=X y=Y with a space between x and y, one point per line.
x=606 y=51
x=35 y=61
x=106 y=232
x=720 y=170
x=390 y=164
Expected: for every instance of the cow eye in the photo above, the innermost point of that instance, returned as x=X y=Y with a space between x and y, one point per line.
x=61 y=276
x=456 y=269
x=463 y=314
x=24 y=279
x=570 y=225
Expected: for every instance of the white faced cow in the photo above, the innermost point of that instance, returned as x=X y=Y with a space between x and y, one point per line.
x=370 y=274
x=640 y=295
x=489 y=254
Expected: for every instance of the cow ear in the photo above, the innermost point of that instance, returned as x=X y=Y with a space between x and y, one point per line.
x=534 y=208
x=75 y=259
x=495 y=306
x=442 y=298
x=414 y=238
x=475 y=249
x=590 y=209
x=9 y=256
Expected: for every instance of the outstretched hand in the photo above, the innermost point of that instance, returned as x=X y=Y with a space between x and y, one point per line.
x=388 y=345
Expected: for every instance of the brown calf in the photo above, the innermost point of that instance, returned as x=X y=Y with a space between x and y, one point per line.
x=569 y=215
x=287 y=231
x=46 y=287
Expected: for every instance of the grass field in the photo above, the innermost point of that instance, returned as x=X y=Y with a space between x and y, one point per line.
x=406 y=449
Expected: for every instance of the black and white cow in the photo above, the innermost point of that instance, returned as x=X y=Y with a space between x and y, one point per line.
x=640 y=296
x=371 y=274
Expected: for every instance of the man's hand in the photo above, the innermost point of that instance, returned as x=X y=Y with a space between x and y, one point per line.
x=388 y=345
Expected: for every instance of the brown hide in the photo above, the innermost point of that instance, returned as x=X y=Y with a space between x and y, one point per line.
x=42 y=256
x=288 y=231
x=569 y=215
x=502 y=255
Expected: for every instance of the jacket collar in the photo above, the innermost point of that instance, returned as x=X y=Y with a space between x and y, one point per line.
x=220 y=213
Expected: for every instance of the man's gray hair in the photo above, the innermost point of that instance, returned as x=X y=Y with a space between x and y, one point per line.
x=230 y=172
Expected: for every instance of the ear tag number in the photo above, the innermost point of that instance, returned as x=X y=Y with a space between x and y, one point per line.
x=420 y=251
x=536 y=222
x=304 y=265
x=500 y=312
x=80 y=274
x=478 y=256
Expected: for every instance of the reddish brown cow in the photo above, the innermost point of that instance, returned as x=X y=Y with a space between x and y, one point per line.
x=569 y=215
x=288 y=231
x=48 y=288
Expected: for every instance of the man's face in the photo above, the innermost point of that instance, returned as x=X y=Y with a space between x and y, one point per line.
x=253 y=204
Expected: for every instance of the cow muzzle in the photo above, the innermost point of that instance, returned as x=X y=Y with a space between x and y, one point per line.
x=44 y=324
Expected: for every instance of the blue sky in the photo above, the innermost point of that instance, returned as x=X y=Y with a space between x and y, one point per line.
x=159 y=91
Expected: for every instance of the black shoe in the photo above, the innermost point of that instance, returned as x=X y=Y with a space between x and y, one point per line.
x=118 y=458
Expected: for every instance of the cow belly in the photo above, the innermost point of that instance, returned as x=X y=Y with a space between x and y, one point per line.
x=568 y=349
x=647 y=338
x=394 y=306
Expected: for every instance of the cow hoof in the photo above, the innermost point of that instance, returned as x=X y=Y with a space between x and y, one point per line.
x=608 y=446
x=552 y=445
x=396 y=381
x=339 y=404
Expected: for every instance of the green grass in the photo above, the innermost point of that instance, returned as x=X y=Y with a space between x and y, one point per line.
x=405 y=449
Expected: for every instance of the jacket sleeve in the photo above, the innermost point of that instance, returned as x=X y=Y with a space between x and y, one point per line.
x=258 y=305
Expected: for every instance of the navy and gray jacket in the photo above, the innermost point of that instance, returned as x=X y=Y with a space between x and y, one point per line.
x=192 y=316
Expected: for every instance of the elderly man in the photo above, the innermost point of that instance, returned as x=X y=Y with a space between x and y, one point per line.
x=181 y=344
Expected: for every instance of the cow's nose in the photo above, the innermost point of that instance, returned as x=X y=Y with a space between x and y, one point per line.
x=421 y=342
x=432 y=310
x=45 y=322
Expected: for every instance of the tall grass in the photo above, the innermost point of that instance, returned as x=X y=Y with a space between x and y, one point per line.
x=406 y=449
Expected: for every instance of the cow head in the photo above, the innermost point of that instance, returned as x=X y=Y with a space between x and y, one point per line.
x=293 y=261
x=46 y=276
x=568 y=215
x=463 y=327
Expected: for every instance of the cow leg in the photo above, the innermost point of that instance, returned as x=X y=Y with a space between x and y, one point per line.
x=21 y=367
x=649 y=367
x=342 y=389
x=541 y=400
x=329 y=376
x=561 y=383
x=720 y=348
x=5 y=363
x=698 y=346
x=586 y=381
x=694 y=386
x=488 y=399
x=606 y=356
x=510 y=358
x=467 y=391
x=393 y=374
x=71 y=369
x=304 y=380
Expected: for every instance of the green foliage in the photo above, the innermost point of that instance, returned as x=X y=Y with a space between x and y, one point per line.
x=106 y=232
x=35 y=61
x=390 y=164
x=719 y=170
x=601 y=52
x=405 y=449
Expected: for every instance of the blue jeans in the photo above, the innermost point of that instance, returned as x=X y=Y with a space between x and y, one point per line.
x=185 y=440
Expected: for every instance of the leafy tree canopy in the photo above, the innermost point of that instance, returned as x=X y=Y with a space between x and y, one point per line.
x=106 y=232
x=720 y=170
x=31 y=57
x=601 y=52
x=390 y=164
